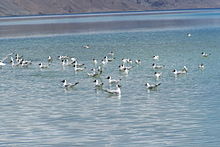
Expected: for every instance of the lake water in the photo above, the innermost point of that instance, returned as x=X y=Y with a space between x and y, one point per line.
x=35 y=109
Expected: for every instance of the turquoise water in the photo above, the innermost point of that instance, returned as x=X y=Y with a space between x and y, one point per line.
x=35 y=109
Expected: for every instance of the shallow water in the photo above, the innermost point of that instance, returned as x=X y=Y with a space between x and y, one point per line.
x=36 y=111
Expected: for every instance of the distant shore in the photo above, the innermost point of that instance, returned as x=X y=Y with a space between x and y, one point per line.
x=82 y=23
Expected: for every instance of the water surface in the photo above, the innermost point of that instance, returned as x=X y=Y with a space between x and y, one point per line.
x=35 y=110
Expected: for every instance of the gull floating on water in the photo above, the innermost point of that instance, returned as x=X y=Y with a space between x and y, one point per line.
x=156 y=57
x=67 y=63
x=63 y=57
x=201 y=66
x=3 y=59
x=18 y=57
x=43 y=66
x=157 y=74
x=107 y=59
x=111 y=81
x=95 y=73
x=2 y=64
x=123 y=67
x=137 y=61
x=78 y=68
x=111 y=53
x=13 y=62
x=205 y=54
x=49 y=59
x=86 y=46
x=19 y=61
x=77 y=64
x=95 y=62
x=152 y=86
x=179 y=72
x=98 y=84
x=126 y=60
x=183 y=71
x=116 y=91
x=25 y=63
x=104 y=62
x=125 y=70
x=69 y=85
x=155 y=66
